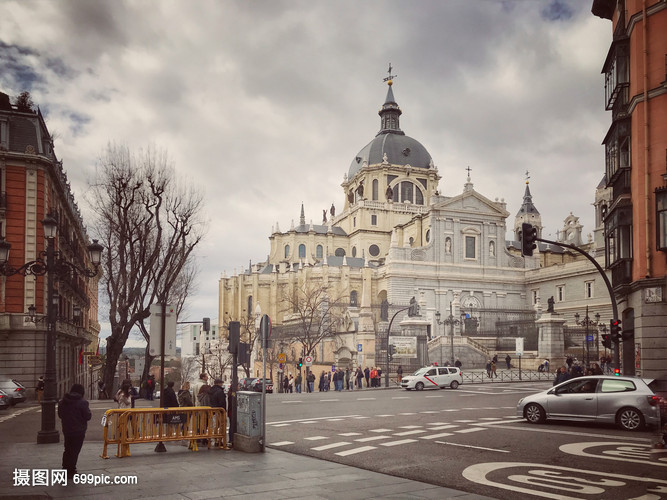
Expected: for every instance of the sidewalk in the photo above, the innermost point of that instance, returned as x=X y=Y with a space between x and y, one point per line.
x=180 y=474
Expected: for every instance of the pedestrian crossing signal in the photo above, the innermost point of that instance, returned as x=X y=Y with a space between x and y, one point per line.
x=300 y=363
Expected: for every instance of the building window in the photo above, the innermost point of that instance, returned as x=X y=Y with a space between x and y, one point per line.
x=354 y=222
x=375 y=189
x=618 y=235
x=250 y=309
x=319 y=251
x=412 y=241
x=302 y=251
x=339 y=252
x=374 y=220
x=354 y=251
x=560 y=293
x=535 y=296
x=286 y=251
x=374 y=250
x=588 y=289
x=353 y=298
x=428 y=235
x=470 y=247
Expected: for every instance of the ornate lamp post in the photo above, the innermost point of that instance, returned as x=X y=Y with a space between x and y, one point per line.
x=587 y=322
x=451 y=321
x=51 y=264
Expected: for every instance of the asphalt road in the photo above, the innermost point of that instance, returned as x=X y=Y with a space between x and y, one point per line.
x=469 y=439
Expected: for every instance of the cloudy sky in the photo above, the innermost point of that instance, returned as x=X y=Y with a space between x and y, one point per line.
x=263 y=104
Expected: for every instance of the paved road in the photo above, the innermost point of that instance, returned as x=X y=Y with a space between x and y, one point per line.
x=469 y=439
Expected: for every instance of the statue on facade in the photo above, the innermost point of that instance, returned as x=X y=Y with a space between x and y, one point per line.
x=332 y=211
x=389 y=193
x=324 y=216
x=550 y=304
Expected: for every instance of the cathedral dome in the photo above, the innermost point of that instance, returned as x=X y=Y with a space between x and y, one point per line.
x=391 y=144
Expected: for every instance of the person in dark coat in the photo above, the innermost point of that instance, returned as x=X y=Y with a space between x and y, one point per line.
x=169 y=399
x=367 y=374
x=217 y=395
x=74 y=413
x=562 y=375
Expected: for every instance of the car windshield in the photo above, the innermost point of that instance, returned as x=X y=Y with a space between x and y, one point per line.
x=421 y=371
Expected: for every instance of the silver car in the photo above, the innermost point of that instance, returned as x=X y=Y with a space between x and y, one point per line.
x=625 y=401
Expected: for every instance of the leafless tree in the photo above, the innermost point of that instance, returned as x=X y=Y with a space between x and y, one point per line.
x=312 y=315
x=24 y=102
x=150 y=226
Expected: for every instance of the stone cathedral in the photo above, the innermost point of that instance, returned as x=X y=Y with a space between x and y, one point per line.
x=397 y=236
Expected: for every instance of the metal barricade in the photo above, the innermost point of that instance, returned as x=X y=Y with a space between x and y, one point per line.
x=127 y=426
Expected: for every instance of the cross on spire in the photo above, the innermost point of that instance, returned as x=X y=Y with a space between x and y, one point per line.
x=527 y=177
x=468 y=169
x=390 y=77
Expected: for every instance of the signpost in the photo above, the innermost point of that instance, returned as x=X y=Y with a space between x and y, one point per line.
x=265 y=332
x=309 y=361
x=519 y=352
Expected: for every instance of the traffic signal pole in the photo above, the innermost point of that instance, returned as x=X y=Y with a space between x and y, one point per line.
x=615 y=342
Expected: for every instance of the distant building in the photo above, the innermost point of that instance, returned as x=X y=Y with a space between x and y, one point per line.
x=33 y=183
x=635 y=220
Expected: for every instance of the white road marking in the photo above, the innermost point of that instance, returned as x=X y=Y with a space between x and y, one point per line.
x=413 y=413
x=408 y=433
x=328 y=400
x=355 y=450
x=436 y=436
x=281 y=425
x=465 y=431
x=350 y=434
x=365 y=399
x=372 y=438
x=401 y=397
x=410 y=427
x=290 y=402
x=465 y=421
x=384 y=416
x=430 y=411
x=307 y=422
x=381 y=430
x=491 y=418
x=396 y=443
x=442 y=427
x=360 y=417
x=316 y=438
x=437 y=423
x=281 y=443
x=329 y=446
x=526 y=427
x=334 y=420
x=310 y=419
x=435 y=396
x=475 y=447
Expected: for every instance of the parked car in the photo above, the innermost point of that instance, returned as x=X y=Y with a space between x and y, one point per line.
x=5 y=400
x=246 y=383
x=625 y=401
x=257 y=385
x=14 y=389
x=433 y=377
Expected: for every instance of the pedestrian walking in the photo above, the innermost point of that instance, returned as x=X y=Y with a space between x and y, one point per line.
x=493 y=369
x=184 y=395
x=488 y=369
x=399 y=374
x=508 y=360
x=458 y=363
x=39 y=389
x=285 y=384
x=74 y=413
x=203 y=381
x=291 y=383
x=123 y=396
x=297 y=383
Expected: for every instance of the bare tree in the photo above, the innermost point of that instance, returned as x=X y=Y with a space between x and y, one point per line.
x=312 y=315
x=149 y=226
x=24 y=102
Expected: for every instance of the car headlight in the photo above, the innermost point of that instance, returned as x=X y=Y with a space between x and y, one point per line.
x=520 y=401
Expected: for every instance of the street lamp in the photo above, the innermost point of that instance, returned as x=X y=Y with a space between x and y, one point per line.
x=51 y=264
x=588 y=322
x=451 y=321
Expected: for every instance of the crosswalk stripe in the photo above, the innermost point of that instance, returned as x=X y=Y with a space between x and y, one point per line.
x=355 y=450
x=465 y=431
x=380 y=430
x=282 y=443
x=396 y=443
x=350 y=434
x=442 y=427
x=329 y=446
x=410 y=427
x=372 y=438
x=435 y=436
x=408 y=433
x=316 y=438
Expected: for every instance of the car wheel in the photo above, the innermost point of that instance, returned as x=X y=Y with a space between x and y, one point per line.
x=419 y=386
x=534 y=413
x=630 y=419
x=454 y=384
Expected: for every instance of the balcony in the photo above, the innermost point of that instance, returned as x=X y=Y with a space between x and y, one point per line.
x=621 y=272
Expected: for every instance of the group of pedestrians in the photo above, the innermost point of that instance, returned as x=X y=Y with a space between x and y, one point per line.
x=573 y=368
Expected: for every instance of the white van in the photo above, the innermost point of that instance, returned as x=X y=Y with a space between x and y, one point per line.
x=433 y=377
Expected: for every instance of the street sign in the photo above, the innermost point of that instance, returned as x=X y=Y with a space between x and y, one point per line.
x=359 y=347
x=519 y=346
x=333 y=368
x=589 y=338
x=89 y=353
x=281 y=358
x=155 y=339
x=265 y=329
x=309 y=360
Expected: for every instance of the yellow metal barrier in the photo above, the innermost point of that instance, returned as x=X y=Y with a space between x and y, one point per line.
x=127 y=426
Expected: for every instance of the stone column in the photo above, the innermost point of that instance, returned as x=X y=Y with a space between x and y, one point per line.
x=551 y=341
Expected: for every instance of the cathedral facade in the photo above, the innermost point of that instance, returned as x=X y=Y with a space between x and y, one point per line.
x=399 y=237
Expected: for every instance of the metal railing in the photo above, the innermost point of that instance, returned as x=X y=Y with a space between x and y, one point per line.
x=480 y=377
x=127 y=426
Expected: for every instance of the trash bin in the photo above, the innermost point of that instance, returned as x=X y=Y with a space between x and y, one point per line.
x=248 y=435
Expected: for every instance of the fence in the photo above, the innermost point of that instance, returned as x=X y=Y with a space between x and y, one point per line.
x=124 y=427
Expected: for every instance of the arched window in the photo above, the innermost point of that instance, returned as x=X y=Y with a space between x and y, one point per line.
x=319 y=251
x=339 y=252
x=406 y=191
x=353 y=298
x=412 y=241
x=286 y=251
x=302 y=251
x=375 y=189
x=428 y=235
x=354 y=251
x=250 y=310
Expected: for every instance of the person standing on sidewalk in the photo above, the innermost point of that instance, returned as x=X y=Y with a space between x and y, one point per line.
x=169 y=399
x=39 y=389
x=493 y=369
x=74 y=413
x=399 y=374
x=508 y=360
x=367 y=375
x=297 y=383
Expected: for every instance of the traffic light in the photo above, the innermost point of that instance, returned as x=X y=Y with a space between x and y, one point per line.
x=606 y=340
x=234 y=336
x=616 y=330
x=617 y=372
x=391 y=351
x=300 y=363
x=206 y=324
x=528 y=238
